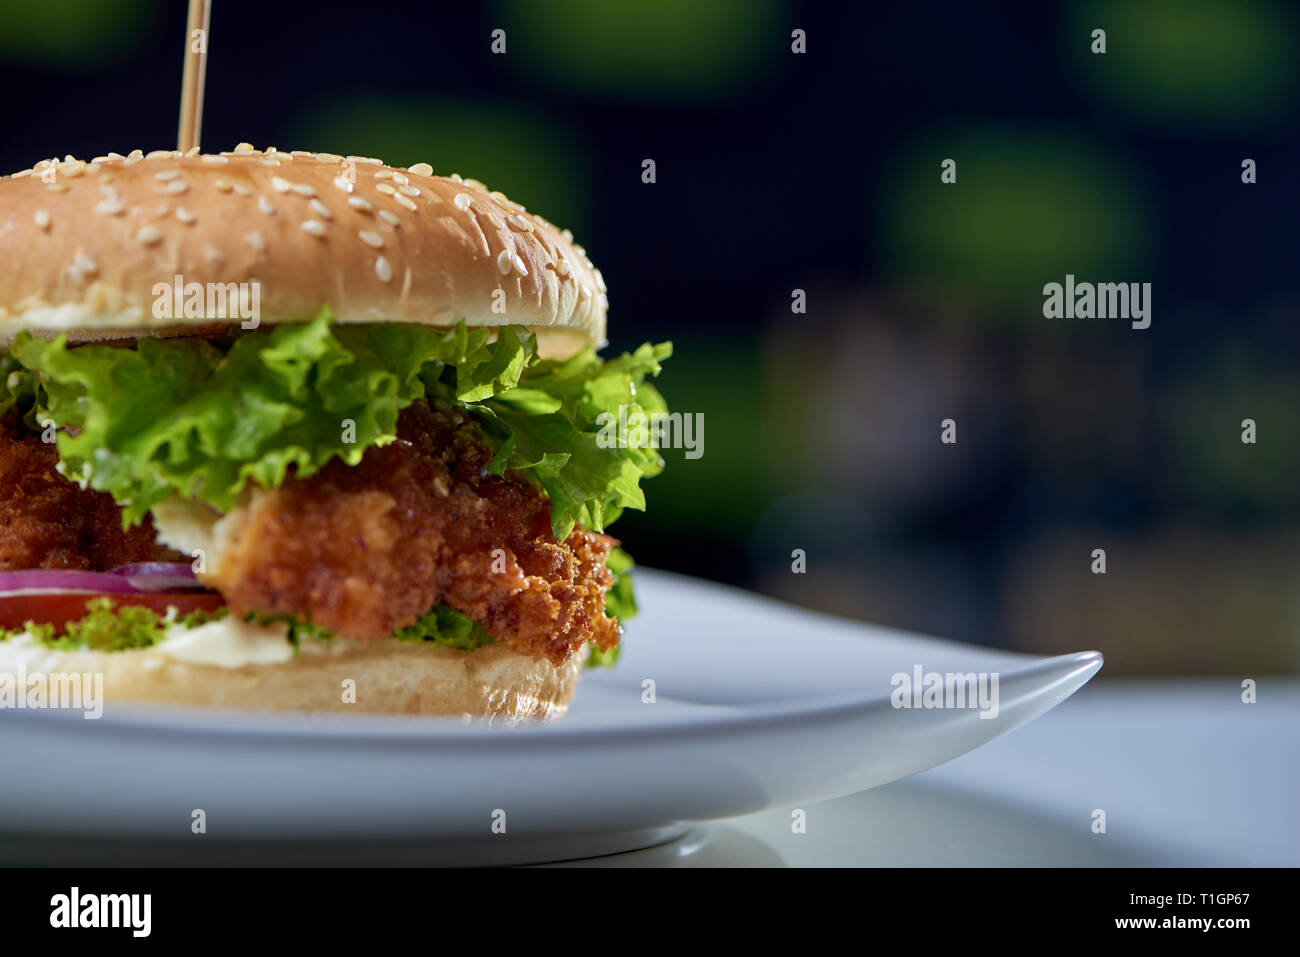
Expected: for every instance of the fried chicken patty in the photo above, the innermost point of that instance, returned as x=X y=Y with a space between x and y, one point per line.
x=47 y=521
x=365 y=550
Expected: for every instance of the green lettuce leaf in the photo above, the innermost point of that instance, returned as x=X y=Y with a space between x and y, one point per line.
x=549 y=427
x=127 y=628
x=21 y=389
x=620 y=603
x=296 y=629
x=443 y=626
x=181 y=416
x=449 y=627
x=105 y=628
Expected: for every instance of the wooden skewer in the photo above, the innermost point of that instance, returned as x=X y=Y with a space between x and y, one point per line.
x=196 y=63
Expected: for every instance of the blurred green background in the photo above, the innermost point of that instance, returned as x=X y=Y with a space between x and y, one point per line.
x=820 y=171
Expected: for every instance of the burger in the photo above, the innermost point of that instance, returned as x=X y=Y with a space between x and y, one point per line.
x=300 y=431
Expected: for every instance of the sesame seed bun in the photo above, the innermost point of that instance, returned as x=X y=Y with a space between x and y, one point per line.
x=390 y=676
x=83 y=246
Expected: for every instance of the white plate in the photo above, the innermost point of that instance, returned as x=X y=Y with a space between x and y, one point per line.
x=756 y=704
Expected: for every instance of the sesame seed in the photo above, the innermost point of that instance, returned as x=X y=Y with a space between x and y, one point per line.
x=255 y=240
x=134 y=155
x=600 y=280
x=304 y=189
x=328 y=157
x=243 y=189
x=386 y=189
x=149 y=235
x=401 y=179
x=244 y=148
x=215 y=159
x=456 y=178
x=505 y=259
x=313 y=227
x=264 y=204
x=388 y=216
x=475 y=183
x=342 y=183
x=222 y=184
x=213 y=255
x=177 y=186
x=462 y=200
x=371 y=239
x=357 y=202
x=405 y=201
x=41 y=218
x=561 y=267
x=506 y=201
x=519 y=223
x=496 y=221
x=57 y=187
x=280 y=184
x=184 y=215
x=165 y=174
x=584 y=291
x=192 y=151
x=421 y=169
x=568 y=236
x=157 y=154
x=82 y=266
x=73 y=169
x=110 y=207
x=383 y=269
x=383 y=174
x=321 y=209
x=272 y=161
x=409 y=191
x=299 y=153
x=518 y=263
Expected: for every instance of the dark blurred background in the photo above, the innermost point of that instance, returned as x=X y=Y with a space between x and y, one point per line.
x=820 y=171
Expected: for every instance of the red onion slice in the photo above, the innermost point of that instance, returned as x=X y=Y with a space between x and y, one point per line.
x=127 y=580
x=63 y=580
x=158 y=576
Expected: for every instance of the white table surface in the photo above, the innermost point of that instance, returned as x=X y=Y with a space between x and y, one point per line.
x=1187 y=774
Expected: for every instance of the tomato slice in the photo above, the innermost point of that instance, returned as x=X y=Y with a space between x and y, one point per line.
x=58 y=609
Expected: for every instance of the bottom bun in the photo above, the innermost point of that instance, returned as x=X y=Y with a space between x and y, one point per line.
x=391 y=677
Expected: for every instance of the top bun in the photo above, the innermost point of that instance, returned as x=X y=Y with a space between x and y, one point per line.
x=83 y=245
